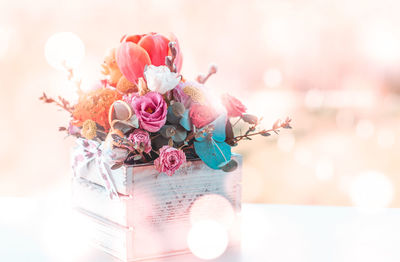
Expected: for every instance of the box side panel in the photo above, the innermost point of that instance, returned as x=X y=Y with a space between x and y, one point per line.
x=94 y=198
x=158 y=211
x=107 y=236
x=161 y=204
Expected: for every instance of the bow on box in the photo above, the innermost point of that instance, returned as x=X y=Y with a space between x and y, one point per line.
x=90 y=151
x=105 y=154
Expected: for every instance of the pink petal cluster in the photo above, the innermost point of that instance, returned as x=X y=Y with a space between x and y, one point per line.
x=234 y=107
x=151 y=111
x=170 y=160
x=141 y=140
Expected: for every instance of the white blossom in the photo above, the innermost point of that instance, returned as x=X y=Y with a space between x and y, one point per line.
x=160 y=79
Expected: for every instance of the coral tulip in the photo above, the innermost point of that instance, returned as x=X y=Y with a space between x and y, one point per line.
x=137 y=51
x=131 y=60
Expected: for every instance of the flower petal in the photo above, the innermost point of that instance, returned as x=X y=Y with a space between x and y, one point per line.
x=157 y=48
x=131 y=60
x=131 y=38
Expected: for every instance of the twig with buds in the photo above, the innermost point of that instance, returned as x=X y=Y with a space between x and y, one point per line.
x=275 y=128
x=169 y=60
x=61 y=102
x=203 y=78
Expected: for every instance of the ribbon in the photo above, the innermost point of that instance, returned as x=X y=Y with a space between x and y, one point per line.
x=88 y=151
x=105 y=154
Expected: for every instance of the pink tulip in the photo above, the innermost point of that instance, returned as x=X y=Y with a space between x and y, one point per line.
x=131 y=60
x=157 y=48
x=137 y=51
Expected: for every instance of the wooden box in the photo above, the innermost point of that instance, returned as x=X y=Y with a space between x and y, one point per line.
x=155 y=212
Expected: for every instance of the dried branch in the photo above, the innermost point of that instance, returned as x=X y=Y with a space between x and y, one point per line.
x=169 y=60
x=61 y=102
x=275 y=128
x=203 y=78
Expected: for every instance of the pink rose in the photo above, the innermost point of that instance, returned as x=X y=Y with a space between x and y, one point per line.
x=151 y=111
x=170 y=160
x=233 y=105
x=141 y=140
x=201 y=115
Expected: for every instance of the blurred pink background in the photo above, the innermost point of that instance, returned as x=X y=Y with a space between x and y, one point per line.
x=333 y=66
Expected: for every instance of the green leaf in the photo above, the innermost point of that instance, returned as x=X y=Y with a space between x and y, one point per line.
x=230 y=166
x=185 y=121
x=180 y=135
x=213 y=153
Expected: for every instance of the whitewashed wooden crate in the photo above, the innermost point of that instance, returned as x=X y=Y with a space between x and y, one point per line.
x=152 y=217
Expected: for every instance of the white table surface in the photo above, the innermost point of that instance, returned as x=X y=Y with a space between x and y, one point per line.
x=33 y=231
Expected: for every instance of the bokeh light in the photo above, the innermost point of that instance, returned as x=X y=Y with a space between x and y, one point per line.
x=380 y=42
x=207 y=239
x=64 y=50
x=212 y=207
x=371 y=191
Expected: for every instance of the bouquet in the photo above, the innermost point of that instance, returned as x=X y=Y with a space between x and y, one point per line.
x=145 y=111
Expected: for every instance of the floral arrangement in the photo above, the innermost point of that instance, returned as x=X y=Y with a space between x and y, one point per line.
x=145 y=111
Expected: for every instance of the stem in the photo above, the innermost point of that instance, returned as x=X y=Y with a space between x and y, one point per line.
x=155 y=151
x=171 y=45
x=62 y=106
x=238 y=138
x=211 y=71
x=155 y=136
x=187 y=147
x=61 y=103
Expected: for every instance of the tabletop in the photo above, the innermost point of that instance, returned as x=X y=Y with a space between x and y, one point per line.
x=43 y=231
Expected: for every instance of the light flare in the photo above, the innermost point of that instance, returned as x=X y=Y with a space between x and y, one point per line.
x=64 y=50
x=207 y=239
x=371 y=191
x=212 y=207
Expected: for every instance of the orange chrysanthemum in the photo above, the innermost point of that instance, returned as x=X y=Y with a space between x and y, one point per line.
x=95 y=105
